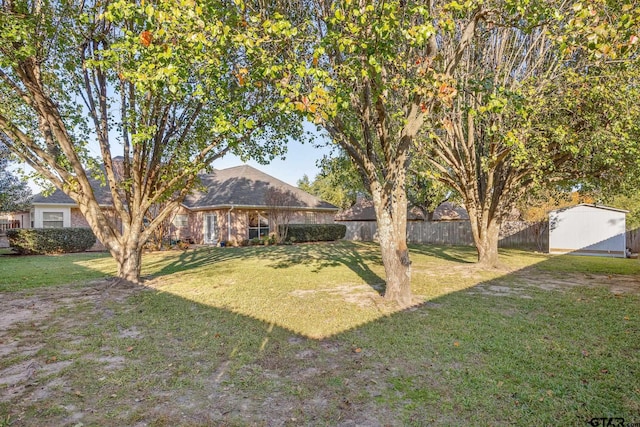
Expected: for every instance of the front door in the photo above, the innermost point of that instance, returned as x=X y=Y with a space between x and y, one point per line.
x=210 y=229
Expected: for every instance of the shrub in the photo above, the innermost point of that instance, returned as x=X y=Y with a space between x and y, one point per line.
x=38 y=241
x=316 y=232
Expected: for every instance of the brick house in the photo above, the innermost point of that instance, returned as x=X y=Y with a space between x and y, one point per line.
x=228 y=204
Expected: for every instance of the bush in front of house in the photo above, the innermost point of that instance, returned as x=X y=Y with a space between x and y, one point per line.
x=315 y=232
x=40 y=241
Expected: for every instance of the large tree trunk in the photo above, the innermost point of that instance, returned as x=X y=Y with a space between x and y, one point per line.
x=128 y=254
x=124 y=242
x=129 y=265
x=486 y=233
x=392 y=235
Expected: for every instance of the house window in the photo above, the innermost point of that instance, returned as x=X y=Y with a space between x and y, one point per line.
x=181 y=221
x=52 y=220
x=258 y=225
x=310 y=218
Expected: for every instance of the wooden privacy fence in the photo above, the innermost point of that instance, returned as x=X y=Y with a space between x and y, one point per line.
x=633 y=240
x=513 y=234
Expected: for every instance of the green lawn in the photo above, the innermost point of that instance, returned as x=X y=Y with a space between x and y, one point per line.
x=299 y=335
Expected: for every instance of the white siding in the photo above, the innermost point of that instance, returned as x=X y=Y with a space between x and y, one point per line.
x=38 y=210
x=587 y=230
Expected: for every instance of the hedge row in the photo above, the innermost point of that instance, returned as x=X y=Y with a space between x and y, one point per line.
x=38 y=241
x=315 y=232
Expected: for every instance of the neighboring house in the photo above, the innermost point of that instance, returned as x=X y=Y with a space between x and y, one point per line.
x=228 y=204
x=9 y=220
x=587 y=229
x=363 y=210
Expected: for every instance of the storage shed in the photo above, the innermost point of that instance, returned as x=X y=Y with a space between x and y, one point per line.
x=588 y=229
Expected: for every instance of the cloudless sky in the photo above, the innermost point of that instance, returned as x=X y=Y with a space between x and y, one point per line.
x=300 y=159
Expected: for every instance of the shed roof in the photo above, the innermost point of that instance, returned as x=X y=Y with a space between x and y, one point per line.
x=591 y=205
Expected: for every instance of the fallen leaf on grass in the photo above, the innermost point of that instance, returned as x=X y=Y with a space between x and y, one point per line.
x=456 y=344
x=129 y=349
x=357 y=350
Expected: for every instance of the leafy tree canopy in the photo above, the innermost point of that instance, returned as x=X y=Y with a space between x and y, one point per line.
x=169 y=85
x=337 y=183
x=15 y=194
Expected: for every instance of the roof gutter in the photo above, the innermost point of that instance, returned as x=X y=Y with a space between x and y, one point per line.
x=261 y=207
x=229 y=224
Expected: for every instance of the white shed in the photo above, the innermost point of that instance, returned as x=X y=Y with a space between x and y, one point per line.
x=588 y=230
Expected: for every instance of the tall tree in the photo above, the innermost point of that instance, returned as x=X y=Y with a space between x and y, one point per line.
x=338 y=181
x=527 y=112
x=172 y=85
x=371 y=74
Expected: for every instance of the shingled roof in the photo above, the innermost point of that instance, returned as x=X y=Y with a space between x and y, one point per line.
x=240 y=186
x=103 y=196
x=245 y=186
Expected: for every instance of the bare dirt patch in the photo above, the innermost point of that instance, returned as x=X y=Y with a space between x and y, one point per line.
x=360 y=295
x=290 y=381
x=27 y=372
x=617 y=284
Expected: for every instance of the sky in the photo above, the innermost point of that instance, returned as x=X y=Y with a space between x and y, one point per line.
x=299 y=160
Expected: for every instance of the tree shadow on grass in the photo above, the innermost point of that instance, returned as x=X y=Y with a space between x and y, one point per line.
x=353 y=255
x=505 y=348
x=321 y=255
x=460 y=254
